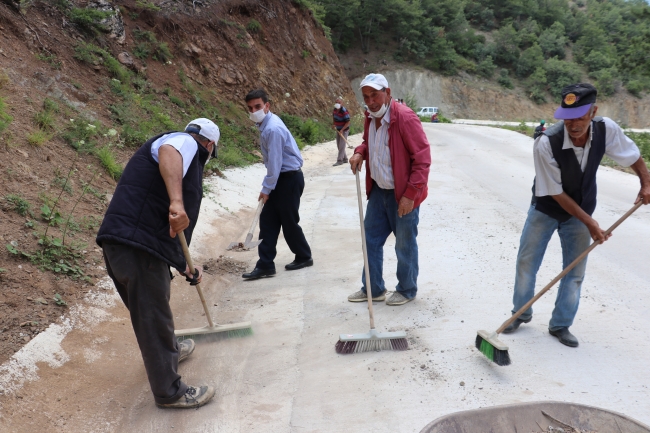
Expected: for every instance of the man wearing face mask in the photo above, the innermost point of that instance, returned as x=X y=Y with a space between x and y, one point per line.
x=342 y=126
x=567 y=157
x=282 y=188
x=158 y=196
x=398 y=157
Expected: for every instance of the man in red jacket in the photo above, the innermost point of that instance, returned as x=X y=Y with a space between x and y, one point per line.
x=399 y=156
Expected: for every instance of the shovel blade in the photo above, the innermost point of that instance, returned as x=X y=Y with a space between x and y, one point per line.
x=249 y=245
x=232 y=245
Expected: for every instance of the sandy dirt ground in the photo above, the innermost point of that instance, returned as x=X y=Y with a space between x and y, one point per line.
x=87 y=376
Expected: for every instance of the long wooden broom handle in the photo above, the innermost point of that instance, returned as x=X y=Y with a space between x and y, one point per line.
x=186 y=251
x=566 y=270
x=343 y=137
x=365 y=253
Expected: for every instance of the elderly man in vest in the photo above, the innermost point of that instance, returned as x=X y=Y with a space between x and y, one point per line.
x=158 y=196
x=399 y=156
x=567 y=156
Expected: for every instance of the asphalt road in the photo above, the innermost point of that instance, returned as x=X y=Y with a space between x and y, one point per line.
x=287 y=376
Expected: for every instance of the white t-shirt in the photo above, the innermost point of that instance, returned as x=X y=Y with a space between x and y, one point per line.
x=181 y=141
x=548 y=180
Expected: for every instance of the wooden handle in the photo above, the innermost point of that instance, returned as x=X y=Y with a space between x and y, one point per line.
x=256 y=218
x=566 y=270
x=365 y=253
x=343 y=137
x=188 y=258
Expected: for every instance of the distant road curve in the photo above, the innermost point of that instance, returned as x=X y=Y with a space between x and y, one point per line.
x=531 y=124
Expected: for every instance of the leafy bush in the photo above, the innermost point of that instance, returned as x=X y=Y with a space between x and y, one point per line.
x=17 y=203
x=89 y=20
x=92 y=54
x=504 y=79
x=552 y=41
x=607 y=81
x=486 y=67
x=536 y=85
x=254 y=26
x=308 y=131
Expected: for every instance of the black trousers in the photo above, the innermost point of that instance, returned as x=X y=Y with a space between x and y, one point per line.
x=143 y=282
x=281 y=212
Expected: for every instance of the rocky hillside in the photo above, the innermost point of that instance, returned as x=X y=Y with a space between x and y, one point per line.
x=84 y=83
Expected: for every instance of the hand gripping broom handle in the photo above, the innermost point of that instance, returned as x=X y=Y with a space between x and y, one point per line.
x=566 y=270
x=365 y=253
x=186 y=251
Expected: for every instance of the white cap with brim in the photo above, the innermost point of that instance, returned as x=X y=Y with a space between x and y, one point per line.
x=206 y=128
x=376 y=81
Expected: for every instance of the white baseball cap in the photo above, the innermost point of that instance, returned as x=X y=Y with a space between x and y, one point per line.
x=204 y=127
x=376 y=81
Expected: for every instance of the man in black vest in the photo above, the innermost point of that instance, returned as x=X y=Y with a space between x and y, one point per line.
x=158 y=196
x=567 y=156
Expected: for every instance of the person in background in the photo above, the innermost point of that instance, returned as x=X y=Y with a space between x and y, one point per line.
x=282 y=188
x=341 y=124
x=539 y=130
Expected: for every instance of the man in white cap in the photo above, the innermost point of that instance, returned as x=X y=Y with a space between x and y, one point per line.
x=399 y=156
x=158 y=196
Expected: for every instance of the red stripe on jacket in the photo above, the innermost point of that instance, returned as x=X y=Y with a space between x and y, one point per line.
x=410 y=154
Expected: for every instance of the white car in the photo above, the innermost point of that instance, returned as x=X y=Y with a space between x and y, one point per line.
x=427 y=111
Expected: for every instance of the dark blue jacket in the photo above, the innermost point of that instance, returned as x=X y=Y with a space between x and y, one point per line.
x=138 y=214
x=581 y=187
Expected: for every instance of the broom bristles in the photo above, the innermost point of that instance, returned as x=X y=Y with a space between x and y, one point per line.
x=499 y=357
x=233 y=333
x=371 y=345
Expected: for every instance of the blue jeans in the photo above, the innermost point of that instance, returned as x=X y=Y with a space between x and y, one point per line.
x=575 y=238
x=381 y=220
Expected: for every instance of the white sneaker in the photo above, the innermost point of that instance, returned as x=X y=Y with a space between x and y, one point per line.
x=186 y=347
x=362 y=297
x=397 y=299
x=194 y=397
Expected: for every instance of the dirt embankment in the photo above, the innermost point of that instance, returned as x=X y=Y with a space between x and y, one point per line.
x=227 y=47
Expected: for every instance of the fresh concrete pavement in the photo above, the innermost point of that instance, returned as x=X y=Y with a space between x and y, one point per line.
x=287 y=376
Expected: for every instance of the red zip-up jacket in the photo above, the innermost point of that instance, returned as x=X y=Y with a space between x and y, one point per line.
x=410 y=154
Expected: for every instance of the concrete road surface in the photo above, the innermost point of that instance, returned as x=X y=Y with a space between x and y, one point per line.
x=287 y=376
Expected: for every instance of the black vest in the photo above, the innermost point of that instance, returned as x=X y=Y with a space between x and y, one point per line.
x=138 y=214
x=581 y=187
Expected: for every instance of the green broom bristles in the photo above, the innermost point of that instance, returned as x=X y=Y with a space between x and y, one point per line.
x=499 y=357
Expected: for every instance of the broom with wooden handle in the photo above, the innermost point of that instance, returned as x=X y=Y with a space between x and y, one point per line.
x=494 y=349
x=233 y=329
x=372 y=340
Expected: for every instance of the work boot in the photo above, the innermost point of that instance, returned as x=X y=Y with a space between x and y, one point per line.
x=361 y=296
x=515 y=325
x=194 y=397
x=185 y=349
x=258 y=273
x=565 y=337
x=398 y=299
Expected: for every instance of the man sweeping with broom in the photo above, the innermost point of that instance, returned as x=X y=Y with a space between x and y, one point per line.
x=567 y=157
x=158 y=196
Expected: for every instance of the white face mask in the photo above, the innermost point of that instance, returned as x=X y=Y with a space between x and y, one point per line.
x=380 y=113
x=257 y=116
x=337 y=106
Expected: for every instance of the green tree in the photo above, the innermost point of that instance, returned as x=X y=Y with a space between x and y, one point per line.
x=597 y=60
x=531 y=59
x=606 y=81
x=507 y=43
x=528 y=33
x=552 y=41
x=536 y=85
x=560 y=74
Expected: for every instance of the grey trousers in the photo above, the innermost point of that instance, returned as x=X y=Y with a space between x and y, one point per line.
x=143 y=282
x=340 y=143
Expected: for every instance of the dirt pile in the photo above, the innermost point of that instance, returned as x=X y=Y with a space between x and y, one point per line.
x=83 y=82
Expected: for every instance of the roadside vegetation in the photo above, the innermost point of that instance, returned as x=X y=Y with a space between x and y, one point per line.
x=541 y=46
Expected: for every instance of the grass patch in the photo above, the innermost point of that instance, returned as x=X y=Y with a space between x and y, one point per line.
x=18 y=204
x=307 y=131
x=5 y=118
x=89 y=20
x=150 y=46
x=254 y=26
x=95 y=55
x=107 y=158
x=38 y=138
x=52 y=60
